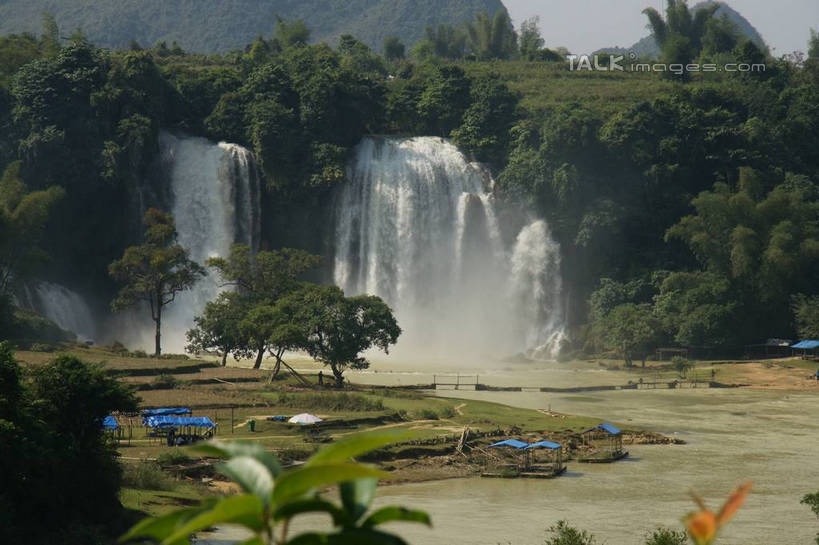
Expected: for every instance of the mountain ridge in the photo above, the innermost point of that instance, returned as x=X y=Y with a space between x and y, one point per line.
x=217 y=26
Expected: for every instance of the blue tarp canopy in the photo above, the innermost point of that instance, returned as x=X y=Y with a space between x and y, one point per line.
x=163 y=411
x=809 y=344
x=178 y=422
x=606 y=427
x=544 y=444
x=110 y=423
x=514 y=443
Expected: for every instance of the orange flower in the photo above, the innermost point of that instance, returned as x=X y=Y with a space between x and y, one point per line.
x=703 y=524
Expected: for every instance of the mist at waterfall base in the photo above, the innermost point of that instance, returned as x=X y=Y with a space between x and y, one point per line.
x=417 y=225
x=215 y=202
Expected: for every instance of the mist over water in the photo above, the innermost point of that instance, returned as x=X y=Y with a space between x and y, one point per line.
x=417 y=225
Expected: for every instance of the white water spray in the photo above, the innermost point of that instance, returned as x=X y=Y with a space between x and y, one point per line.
x=64 y=307
x=215 y=202
x=417 y=226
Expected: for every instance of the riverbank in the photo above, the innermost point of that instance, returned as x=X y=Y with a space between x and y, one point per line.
x=234 y=396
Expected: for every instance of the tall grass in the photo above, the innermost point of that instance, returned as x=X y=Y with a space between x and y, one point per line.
x=146 y=476
x=330 y=401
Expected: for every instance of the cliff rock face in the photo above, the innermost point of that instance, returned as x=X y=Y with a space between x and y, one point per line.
x=208 y=26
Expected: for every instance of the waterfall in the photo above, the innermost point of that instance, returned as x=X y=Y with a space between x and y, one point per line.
x=62 y=306
x=215 y=193
x=417 y=226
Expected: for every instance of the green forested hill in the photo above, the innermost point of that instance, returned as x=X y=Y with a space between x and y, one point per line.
x=218 y=25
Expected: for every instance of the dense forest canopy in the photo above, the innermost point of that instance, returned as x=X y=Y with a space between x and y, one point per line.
x=693 y=199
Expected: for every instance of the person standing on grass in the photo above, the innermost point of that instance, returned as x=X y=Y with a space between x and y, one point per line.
x=321 y=378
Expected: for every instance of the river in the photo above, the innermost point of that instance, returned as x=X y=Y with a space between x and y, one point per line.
x=768 y=437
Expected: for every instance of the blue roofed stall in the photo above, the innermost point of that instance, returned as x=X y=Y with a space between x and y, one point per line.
x=807 y=349
x=604 y=443
x=521 y=459
x=179 y=430
x=109 y=423
x=551 y=464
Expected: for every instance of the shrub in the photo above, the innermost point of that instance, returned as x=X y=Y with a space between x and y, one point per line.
x=666 y=536
x=427 y=414
x=165 y=380
x=681 y=365
x=146 y=476
x=173 y=456
x=447 y=412
x=563 y=534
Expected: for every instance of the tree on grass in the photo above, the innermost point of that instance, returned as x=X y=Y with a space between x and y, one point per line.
x=812 y=501
x=261 y=281
x=338 y=328
x=155 y=271
x=218 y=329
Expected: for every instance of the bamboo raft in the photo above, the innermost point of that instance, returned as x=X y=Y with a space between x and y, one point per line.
x=525 y=474
x=605 y=460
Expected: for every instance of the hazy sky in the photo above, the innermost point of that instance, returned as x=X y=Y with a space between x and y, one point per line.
x=586 y=25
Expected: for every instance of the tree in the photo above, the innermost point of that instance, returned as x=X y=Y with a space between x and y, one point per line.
x=23 y=216
x=813 y=45
x=530 y=39
x=444 y=100
x=632 y=330
x=338 y=328
x=443 y=41
x=50 y=40
x=492 y=37
x=57 y=415
x=218 y=328
x=262 y=281
x=680 y=34
x=488 y=119
x=155 y=271
x=806 y=313
x=274 y=328
x=291 y=33
x=394 y=49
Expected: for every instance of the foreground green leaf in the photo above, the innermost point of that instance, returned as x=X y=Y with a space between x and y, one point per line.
x=220 y=449
x=251 y=475
x=246 y=510
x=296 y=483
x=357 y=496
x=293 y=508
x=158 y=528
x=355 y=445
x=394 y=513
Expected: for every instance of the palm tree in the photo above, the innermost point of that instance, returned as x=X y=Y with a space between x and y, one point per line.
x=680 y=22
x=492 y=38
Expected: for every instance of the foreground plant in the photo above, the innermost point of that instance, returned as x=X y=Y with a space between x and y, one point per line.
x=272 y=497
x=704 y=524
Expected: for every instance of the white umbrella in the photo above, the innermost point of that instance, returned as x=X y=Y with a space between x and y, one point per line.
x=304 y=418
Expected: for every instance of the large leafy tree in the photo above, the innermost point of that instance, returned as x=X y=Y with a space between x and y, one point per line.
x=337 y=329
x=218 y=329
x=57 y=415
x=262 y=281
x=631 y=329
x=23 y=216
x=155 y=271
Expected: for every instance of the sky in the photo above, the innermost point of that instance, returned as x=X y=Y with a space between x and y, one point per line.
x=584 y=26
